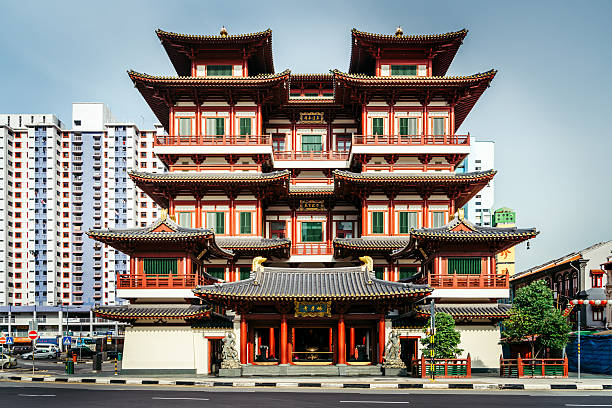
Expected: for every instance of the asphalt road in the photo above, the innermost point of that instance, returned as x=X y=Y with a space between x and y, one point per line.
x=152 y=397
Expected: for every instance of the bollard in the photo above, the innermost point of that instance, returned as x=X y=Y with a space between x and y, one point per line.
x=115 y=365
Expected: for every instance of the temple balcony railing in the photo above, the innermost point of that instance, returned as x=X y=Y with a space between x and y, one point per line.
x=412 y=140
x=312 y=249
x=128 y=281
x=456 y=281
x=211 y=140
x=310 y=155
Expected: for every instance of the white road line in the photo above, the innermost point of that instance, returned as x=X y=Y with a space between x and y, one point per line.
x=180 y=398
x=588 y=405
x=374 y=402
x=36 y=395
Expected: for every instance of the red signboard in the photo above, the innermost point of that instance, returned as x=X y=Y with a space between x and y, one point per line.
x=2 y=340
x=33 y=334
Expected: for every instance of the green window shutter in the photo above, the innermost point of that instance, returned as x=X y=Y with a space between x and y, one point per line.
x=379 y=272
x=245 y=222
x=312 y=143
x=311 y=94
x=378 y=224
x=185 y=126
x=407 y=221
x=412 y=126
x=185 y=219
x=464 y=266
x=160 y=266
x=217 y=272
x=220 y=223
x=245 y=126
x=378 y=126
x=312 y=232
x=245 y=272
x=219 y=70
x=406 y=272
x=220 y=126
x=403 y=69
x=438 y=127
x=437 y=218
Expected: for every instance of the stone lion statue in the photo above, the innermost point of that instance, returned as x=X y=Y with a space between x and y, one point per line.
x=393 y=351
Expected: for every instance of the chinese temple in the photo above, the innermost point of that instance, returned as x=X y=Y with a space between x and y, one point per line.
x=309 y=215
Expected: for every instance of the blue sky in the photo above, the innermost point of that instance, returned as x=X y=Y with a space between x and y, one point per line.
x=546 y=109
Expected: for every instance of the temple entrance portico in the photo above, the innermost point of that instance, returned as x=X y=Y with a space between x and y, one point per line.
x=324 y=321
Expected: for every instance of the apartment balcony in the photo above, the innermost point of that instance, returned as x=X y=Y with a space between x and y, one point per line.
x=97 y=285
x=77 y=169
x=411 y=144
x=206 y=144
x=77 y=279
x=97 y=255
x=98 y=275
x=97 y=175
x=77 y=291
x=97 y=296
x=128 y=281
x=77 y=209
x=481 y=281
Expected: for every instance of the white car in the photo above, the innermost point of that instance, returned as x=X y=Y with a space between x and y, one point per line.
x=39 y=354
x=7 y=361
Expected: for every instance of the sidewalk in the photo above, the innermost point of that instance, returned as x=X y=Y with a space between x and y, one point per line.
x=477 y=382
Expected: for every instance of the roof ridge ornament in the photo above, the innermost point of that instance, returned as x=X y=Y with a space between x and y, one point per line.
x=398 y=31
x=223 y=31
x=257 y=268
x=367 y=267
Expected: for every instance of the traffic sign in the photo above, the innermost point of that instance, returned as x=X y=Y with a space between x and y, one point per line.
x=2 y=340
x=9 y=340
x=67 y=341
x=33 y=334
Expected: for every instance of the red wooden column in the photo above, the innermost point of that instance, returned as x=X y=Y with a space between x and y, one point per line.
x=492 y=270
x=258 y=216
x=364 y=217
x=132 y=265
x=391 y=209
x=187 y=264
x=198 y=213
x=329 y=228
x=272 y=343
x=331 y=341
x=243 y=339
x=283 y=339
x=293 y=227
x=341 y=340
x=232 y=214
x=171 y=206
x=352 y=342
x=381 y=338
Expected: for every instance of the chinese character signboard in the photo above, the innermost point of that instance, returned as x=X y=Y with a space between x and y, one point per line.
x=312 y=117
x=312 y=205
x=312 y=309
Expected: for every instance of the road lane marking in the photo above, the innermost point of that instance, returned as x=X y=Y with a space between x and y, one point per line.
x=588 y=405
x=374 y=402
x=36 y=395
x=180 y=398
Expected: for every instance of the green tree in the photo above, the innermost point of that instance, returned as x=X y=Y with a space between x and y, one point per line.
x=534 y=319
x=447 y=338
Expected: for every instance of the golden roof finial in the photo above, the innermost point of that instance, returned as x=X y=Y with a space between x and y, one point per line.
x=368 y=263
x=164 y=213
x=461 y=214
x=223 y=32
x=398 y=31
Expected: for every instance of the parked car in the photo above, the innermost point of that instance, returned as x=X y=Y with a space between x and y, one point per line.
x=51 y=347
x=18 y=350
x=39 y=354
x=7 y=361
x=81 y=351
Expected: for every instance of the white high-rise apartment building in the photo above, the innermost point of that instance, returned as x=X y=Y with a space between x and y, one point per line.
x=482 y=157
x=56 y=184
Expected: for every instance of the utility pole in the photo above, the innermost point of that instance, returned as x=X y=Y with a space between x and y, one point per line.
x=432 y=314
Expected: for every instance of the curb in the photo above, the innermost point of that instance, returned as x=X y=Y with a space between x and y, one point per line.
x=322 y=385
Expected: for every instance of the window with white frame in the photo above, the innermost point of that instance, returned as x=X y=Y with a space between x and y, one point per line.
x=215 y=220
x=215 y=126
x=408 y=126
x=184 y=126
x=437 y=219
x=185 y=219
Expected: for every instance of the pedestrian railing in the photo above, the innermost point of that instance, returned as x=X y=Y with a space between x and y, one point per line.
x=533 y=367
x=442 y=367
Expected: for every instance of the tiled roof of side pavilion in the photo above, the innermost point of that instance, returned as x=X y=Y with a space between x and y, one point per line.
x=272 y=284
x=152 y=312
x=298 y=190
x=171 y=81
x=495 y=310
x=201 y=177
x=414 y=80
x=372 y=243
x=375 y=177
x=206 y=38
